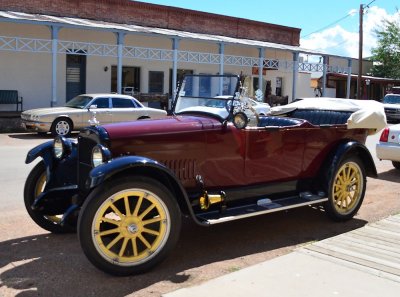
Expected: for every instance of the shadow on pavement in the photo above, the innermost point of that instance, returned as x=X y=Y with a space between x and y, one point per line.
x=54 y=265
x=37 y=136
x=392 y=175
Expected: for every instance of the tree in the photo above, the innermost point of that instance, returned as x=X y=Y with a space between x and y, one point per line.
x=386 y=55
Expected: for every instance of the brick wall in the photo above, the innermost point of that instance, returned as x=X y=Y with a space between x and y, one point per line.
x=124 y=11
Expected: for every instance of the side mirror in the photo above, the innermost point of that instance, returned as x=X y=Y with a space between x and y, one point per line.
x=240 y=120
x=93 y=106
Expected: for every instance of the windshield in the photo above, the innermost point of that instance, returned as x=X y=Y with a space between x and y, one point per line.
x=206 y=94
x=390 y=99
x=79 y=101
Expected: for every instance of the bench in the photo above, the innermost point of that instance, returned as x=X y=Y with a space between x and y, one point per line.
x=321 y=117
x=10 y=97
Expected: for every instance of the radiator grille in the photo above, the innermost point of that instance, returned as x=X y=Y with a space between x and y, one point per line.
x=86 y=142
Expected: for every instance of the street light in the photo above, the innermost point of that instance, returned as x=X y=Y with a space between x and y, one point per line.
x=367 y=82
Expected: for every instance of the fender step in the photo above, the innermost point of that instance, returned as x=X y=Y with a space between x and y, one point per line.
x=263 y=206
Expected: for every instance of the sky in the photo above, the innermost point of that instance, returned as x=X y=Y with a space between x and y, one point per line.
x=329 y=26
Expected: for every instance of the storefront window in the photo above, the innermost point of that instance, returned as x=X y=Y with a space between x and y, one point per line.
x=156 y=82
x=130 y=78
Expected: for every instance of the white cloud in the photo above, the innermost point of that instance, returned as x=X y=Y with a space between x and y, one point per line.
x=339 y=41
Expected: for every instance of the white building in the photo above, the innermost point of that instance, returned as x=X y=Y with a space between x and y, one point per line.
x=50 y=54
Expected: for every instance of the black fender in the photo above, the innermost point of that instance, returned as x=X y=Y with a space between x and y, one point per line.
x=343 y=150
x=44 y=150
x=145 y=166
x=62 y=180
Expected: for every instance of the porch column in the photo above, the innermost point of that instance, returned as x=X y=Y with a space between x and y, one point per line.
x=324 y=70
x=295 y=74
x=260 y=68
x=54 y=49
x=120 y=43
x=175 y=47
x=221 y=66
x=349 y=64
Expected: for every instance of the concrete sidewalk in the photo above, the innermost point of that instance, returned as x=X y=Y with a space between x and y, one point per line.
x=364 y=262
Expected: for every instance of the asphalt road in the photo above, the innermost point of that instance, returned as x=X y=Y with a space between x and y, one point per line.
x=34 y=262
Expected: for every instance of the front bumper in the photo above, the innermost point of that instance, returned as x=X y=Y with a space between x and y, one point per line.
x=392 y=115
x=36 y=126
x=388 y=151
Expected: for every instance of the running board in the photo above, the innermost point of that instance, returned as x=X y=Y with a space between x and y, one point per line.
x=263 y=206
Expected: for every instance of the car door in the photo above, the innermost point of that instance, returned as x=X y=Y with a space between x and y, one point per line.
x=124 y=110
x=101 y=108
x=273 y=154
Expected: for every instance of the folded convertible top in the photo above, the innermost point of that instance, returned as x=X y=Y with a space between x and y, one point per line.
x=367 y=114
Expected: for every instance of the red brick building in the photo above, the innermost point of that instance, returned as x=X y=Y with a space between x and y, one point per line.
x=145 y=14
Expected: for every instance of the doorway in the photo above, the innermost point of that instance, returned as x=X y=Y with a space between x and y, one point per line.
x=75 y=76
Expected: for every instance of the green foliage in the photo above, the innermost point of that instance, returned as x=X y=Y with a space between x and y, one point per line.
x=387 y=53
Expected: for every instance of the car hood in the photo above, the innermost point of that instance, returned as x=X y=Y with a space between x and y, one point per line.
x=163 y=126
x=51 y=111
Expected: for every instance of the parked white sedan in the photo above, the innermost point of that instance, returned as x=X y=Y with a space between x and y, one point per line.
x=108 y=108
x=388 y=147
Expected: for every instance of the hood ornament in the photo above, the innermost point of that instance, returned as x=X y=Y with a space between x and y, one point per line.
x=259 y=95
x=93 y=121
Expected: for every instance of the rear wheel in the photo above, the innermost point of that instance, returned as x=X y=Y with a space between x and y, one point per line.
x=34 y=186
x=62 y=127
x=129 y=225
x=346 y=190
x=396 y=164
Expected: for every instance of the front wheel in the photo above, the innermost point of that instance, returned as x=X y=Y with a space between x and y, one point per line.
x=396 y=164
x=346 y=189
x=129 y=225
x=34 y=186
x=61 y=127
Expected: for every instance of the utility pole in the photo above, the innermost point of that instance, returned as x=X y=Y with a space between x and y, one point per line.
x=360 y=49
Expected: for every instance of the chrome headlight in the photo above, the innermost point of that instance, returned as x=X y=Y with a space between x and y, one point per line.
x=58 y=148
x=100 y=155
x=61 y=147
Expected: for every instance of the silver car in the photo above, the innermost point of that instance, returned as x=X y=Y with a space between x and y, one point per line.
x=388 y=147
x=107 y=108
x=391 y=103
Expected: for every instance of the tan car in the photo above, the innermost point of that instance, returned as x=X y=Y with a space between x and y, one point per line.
x=107 y=108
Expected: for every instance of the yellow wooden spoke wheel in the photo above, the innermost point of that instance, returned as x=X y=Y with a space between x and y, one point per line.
x=41 y=183
x=131 y=226
x=34 y=186
x=347 y=187
x=347 y=190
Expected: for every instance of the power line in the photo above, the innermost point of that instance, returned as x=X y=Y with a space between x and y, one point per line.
x=340 y=43
x=330 y=25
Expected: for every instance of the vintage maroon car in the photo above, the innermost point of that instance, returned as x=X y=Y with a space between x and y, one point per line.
x=125 y=186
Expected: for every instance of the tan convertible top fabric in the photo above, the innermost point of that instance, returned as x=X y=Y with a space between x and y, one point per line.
x=368 y=114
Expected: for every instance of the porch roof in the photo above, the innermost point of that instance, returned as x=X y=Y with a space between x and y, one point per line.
x=364 y=77
x=79 y=23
